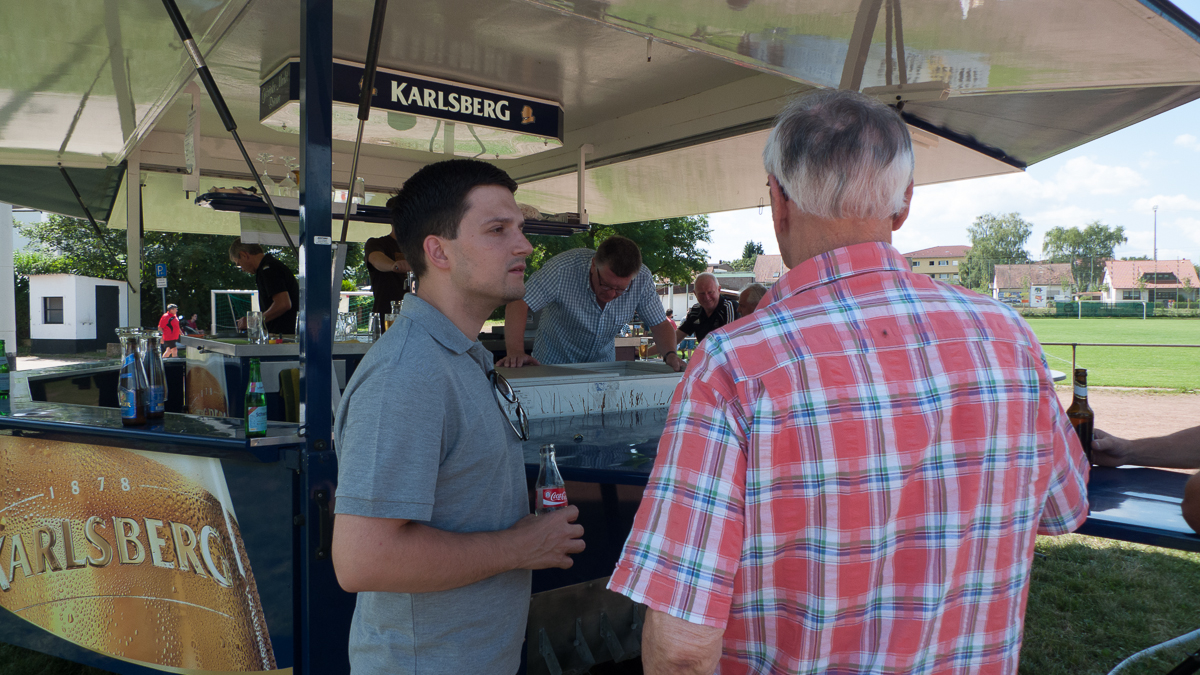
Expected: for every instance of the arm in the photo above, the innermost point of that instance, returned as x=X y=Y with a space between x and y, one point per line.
x=672 y=645
x=405 y=556
x=1180 y=450
x=1191 y=502
x=515 y=316
x=281 y=302
x=380 y=261
x=663 y=335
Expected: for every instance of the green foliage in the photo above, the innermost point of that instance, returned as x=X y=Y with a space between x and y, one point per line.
x=1141 y=257
x=196 y=264
x=348 y=285
x=670 y=247
x=1085 y=249
x=995 y=239
x=752 y=249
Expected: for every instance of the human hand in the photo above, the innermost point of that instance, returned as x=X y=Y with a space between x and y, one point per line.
x=241 y=323
x=675 y=362
x=1108 y=450
x=549 y=540
x=516 y=361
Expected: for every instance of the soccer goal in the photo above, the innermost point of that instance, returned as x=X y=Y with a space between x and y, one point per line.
x=228 y=306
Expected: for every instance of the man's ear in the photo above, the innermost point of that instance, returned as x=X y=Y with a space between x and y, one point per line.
x=779 y=210
x=899 y=218
x=435 y=252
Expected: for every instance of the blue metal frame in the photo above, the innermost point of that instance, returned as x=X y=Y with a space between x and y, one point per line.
x=320 y=613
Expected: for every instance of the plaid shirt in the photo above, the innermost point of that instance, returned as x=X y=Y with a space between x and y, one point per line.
x=850 y=479
x=573 y=328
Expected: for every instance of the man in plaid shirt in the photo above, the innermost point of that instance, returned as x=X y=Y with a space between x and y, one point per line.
x=852 y=478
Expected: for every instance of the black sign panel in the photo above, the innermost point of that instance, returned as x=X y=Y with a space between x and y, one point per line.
x=426 y=97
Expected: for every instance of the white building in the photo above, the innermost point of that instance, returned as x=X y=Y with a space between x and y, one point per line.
x=1150 y=281
x=69 y=314
x=1034 y=284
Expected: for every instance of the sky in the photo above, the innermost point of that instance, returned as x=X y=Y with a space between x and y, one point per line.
x=1116 y=179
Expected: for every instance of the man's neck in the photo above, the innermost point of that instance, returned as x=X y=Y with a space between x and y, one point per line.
x=465 y=313
x=817 y=236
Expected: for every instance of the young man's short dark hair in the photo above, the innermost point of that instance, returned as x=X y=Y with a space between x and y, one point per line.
x=620 y=256
x=434 y=200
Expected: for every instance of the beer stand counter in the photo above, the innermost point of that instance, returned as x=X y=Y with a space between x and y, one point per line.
x=224 y=364
x=169 y=546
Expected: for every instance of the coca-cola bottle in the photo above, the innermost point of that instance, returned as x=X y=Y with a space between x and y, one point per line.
x=550 y=488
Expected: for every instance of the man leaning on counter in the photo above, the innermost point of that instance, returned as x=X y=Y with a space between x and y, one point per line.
x=278 y=292
x=588 y=296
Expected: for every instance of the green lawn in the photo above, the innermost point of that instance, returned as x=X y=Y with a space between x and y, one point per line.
x=1168 y=367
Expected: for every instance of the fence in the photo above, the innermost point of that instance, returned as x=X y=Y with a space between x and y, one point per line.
x=228 y=306
x=1123 y=309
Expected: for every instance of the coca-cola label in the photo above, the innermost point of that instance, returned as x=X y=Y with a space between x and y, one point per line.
x=554 y=497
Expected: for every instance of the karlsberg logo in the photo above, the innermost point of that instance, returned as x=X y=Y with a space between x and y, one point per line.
x=466 y=105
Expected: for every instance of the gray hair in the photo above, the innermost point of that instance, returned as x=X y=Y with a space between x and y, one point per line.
x=754 y=291
x=839 y=154
x=706 y=275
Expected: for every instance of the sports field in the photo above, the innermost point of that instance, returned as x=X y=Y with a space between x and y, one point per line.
x=1176 y=368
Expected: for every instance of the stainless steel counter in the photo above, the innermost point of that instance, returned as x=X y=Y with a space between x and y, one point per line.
x=241 y=349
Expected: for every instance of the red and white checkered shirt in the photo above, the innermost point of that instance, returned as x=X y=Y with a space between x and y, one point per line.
x=851 y=478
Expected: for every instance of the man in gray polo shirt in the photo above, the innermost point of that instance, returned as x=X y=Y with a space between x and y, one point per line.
x=587 y=297
x=433 y=528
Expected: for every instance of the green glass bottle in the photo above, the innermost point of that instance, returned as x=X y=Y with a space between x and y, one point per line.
x=256 y=403
x=4 y=403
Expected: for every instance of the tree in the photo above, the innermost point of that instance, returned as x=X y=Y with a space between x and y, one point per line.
x=750 y=253
x=670 y=247
x=995 y=239
x=1085 y=249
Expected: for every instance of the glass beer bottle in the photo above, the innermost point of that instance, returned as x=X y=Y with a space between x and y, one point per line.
x=550 y=488
x=1080 y=413
x=131 y=381
x=5 y=405
x=256 y=403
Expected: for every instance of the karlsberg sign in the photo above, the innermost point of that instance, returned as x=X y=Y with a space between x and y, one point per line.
x=423 y=97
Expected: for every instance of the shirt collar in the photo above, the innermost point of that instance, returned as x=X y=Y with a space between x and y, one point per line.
x=848 y=261
x=438 y=325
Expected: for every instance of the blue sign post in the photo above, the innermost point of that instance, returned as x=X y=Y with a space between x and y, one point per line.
x=160 y=277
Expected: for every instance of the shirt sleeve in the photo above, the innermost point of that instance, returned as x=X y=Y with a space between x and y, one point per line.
x=542 y=286
x=372 y=245
x=383 y=472
x=685 y=548
x=1066 y=505
x=688 y=327
x=649 y=307
x=274 y=282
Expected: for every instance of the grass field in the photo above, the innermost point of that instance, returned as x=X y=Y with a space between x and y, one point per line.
x=1167 y=368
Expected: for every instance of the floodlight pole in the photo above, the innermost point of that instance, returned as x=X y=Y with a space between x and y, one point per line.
x=1152 y=290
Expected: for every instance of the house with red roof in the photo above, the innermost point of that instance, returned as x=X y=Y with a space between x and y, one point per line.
x=939 y=262
x=1150 y=281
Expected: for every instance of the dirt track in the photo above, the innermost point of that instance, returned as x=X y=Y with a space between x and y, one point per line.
x=1132 y=413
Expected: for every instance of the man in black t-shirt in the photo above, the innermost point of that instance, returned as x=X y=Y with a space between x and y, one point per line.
x=278 y=292
x=388 y=270
x=710 y=313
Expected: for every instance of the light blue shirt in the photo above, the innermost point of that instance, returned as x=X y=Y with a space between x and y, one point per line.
x=573 y=328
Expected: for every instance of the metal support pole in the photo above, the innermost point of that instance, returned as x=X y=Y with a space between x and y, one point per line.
x=133 y=240
x=322 y=625
x=8 y=297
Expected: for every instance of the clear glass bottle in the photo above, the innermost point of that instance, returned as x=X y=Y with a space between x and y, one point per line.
x=156 y=374
x=550 y=489
x=256 y=403
x=131 y=382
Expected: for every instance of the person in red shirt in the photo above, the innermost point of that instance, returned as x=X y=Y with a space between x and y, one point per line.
x=852 y=478
x=169 y=325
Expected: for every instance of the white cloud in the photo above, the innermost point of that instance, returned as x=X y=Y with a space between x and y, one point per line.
x=1187 y=141
x=1167 y=203
x=1083 y=174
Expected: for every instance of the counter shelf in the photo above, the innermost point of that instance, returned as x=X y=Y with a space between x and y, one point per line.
x=220 y=437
